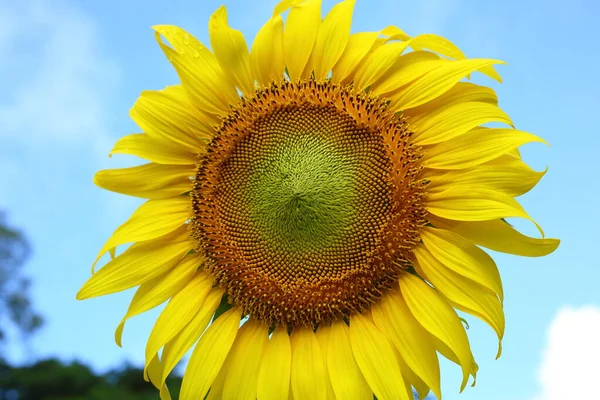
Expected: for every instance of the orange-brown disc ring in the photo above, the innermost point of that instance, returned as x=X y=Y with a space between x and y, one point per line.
x=308 y=202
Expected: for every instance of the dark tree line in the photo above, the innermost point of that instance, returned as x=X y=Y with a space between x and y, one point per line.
x=54 y=380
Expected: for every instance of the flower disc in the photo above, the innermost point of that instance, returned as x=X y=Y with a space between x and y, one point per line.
x=306 y=202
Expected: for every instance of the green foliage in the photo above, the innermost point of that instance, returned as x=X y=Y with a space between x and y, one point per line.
x=15 y=306
x=53 y=380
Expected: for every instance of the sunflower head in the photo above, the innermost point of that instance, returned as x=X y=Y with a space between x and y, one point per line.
x=315 y=210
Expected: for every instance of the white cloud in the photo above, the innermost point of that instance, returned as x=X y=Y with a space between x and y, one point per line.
x=55 y=102
x=56 y=79
x=570 y=366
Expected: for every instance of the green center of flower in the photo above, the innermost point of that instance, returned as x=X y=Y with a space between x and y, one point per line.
x=307 y=204
x=302 y=194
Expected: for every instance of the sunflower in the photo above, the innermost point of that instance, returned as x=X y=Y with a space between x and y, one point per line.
x=315 y=210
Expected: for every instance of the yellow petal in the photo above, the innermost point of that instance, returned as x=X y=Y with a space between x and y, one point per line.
x=178 y=312
x=357 y=48
x=285 y=5
x=154 y=372
x=464 y=203
x=299 y=35
x=392 y=316
x=216 y=389
x=346 y=378
x=308 y=369
x=445 y=47
x=406 y=69
x=266 y=57
x=153 y=219
x=448 y=353
x=160 y=152
x=514 y=153
x=138 y=264
x=463 y=257
x=246 y=357
x=412 y=379
x=376 y=64
x=309 y=67
x=209 y=355
x=438 y=318
x=506 y=173
x=436 y=82
x=462 y=92
x=158 y=290
x=176 y=348
x=476 y=147
x=333 y=37
x=198 y=70
x=274 y=376
x=322 y=335
x=168 y=115
x=376 y=359
x=499 y=236
x=455 y=121
x=438 y=44
x=231 y=51
x=149 y=181
x=462 y=293
x=394 y=33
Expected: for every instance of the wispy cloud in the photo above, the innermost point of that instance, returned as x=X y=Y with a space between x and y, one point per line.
x=55 y=100
x=56 y=79
x=571 y=359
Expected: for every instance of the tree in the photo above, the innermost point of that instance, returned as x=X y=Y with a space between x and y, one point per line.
x=53 y=380
x=15 y=305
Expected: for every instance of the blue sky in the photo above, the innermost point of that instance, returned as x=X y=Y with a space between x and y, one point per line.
x=70 y=71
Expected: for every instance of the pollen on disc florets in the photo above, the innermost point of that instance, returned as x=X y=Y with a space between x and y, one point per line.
x=308 y=202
